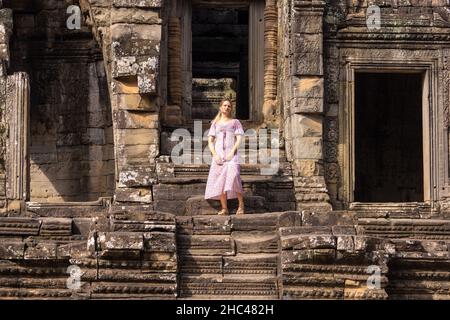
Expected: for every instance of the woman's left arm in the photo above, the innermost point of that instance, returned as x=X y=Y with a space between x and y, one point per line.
x=239 y=132
x=235 y=147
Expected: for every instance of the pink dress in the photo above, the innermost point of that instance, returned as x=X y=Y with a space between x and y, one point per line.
x=225 y=177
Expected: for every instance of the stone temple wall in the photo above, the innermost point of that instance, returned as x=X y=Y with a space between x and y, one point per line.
x=90 y=104
x=71 y=137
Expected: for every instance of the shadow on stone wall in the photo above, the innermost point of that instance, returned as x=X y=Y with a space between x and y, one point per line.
x=71 y=145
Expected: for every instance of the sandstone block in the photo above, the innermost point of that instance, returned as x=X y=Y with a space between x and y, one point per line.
x=121 y=241
x=306 y=126
x=139 y=4
x=136 y=15
x=307 y=50
x=136 y=155
x=296 y=256
x=126 y=47
x=142 y=195
x=255 y=242
x=345 y=243
x=308 y=95
x=308 y=242
x=12 y=249
x=160 y=241
x=137 y=177
x=137 y=102
x=147 y=83
x=41 y=251
x=126 y=85
x=308 y=148
x=136 y=120
x=306 y=23
x=130 y=137
x=124 y=67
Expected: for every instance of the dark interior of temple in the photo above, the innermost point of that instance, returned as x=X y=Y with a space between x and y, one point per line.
x=220 y=59
x=388 y=137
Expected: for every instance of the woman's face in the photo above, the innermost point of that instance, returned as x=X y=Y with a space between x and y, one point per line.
x=225 y=108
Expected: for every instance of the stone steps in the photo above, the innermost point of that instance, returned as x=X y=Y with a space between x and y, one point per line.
x=224 y=286
x=229 y=257
x=199 y=206
x=179 y=182
x=221 y=297
x=246 y=169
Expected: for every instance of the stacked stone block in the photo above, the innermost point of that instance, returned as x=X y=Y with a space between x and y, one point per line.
x=303 y=101
x=130 y=35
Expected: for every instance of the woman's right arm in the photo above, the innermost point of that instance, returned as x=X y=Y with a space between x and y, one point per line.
x=211 y=138
x=211 y=145
x=213 y=150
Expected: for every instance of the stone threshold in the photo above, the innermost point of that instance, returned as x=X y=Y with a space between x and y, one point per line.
x=85 y=209
x=103 y=202
x=409 y=210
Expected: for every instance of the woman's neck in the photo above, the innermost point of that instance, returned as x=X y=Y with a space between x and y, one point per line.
x=224 y=119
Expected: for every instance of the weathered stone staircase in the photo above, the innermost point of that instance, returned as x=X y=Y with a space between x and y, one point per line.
x=228 y=257
x=125 y=252
x=181 y=186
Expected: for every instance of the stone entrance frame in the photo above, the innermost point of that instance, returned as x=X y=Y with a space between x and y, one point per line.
x=435 y=150
x=263 y=29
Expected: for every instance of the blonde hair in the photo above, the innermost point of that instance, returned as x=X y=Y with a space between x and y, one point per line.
x=219 y=114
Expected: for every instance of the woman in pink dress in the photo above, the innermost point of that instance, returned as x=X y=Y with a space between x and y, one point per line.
x=224 y=180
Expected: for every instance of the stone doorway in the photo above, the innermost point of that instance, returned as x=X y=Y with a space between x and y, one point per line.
x=220 y=60
x=388 y=129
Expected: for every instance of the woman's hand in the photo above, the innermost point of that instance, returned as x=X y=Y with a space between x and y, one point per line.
x=229 y=156
x=217 y=159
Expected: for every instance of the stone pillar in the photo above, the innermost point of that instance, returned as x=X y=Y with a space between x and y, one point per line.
x=14 y=99
x=130 y=35
x=304 y=101
x=17 y=124
x=171 y=113
x=270 y=60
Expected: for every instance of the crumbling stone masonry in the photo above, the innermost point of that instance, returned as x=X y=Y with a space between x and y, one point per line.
x=92 y=206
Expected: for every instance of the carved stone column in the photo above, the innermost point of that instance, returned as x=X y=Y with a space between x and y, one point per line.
x=303 y=103
x=17 y=119
x=171 y=113
x=14 y=102
x=270 y=60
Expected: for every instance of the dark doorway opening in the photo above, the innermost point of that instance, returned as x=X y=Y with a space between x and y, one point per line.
x=388 y=137
x=220 y=60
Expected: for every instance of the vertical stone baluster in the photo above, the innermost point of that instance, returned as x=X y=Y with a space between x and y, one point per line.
x=270 y=59
x=171 y=113
x=17 y=118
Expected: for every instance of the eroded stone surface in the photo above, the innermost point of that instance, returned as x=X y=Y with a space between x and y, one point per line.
x=124 y=70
